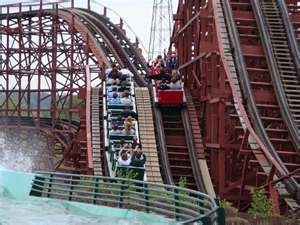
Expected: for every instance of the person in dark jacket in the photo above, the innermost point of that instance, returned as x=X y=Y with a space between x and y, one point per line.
x=127 y=112
x=138 y=158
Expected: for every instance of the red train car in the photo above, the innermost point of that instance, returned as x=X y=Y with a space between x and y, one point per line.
x=173 y=97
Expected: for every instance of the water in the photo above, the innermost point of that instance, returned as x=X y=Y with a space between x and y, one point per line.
x=17 y=212
x=25 y=151
x=15 y=186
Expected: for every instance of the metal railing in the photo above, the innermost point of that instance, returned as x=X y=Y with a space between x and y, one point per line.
x=181 y=204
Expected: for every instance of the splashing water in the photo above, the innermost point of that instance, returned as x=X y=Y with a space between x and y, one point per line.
x=25 y=151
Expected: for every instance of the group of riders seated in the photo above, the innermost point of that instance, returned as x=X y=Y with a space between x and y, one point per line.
x=122 y=123
x=118 y=92
x=165 y=73
x=130 y=154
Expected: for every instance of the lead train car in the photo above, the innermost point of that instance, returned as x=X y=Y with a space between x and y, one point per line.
x=168 y=97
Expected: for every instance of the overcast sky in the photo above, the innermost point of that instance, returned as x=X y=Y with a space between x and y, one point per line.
x=137 y=13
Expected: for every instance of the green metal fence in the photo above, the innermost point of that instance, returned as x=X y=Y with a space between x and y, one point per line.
x=181 y=204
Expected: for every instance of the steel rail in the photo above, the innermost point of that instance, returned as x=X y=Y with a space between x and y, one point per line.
x=274 y=71
x=237 y=98
x=248 y=94
x=137 y=65
x=163 y=153
x=130 y=47
x=292 y=41
x=93 y=28
x=192 y=151
x=105 y=33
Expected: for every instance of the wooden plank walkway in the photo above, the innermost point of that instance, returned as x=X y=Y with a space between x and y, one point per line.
x=147 y=134
x=96 y=139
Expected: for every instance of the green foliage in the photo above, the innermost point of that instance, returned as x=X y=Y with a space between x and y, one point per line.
x=66 y=105
x=225 y=204
x=45 y=114
x=260 y=204
x=127 y=174
x=183 y=195
x=160 y=192
x=182 y=182
x=87 y=184
x=13 y=106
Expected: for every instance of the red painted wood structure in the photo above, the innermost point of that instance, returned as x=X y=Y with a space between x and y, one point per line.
x=244 y=81
x=51 y=56
x=240 y=62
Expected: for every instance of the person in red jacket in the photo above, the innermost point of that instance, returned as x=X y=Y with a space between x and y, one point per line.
x=158 y=71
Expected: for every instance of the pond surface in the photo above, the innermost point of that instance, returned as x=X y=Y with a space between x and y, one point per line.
x=18 y=212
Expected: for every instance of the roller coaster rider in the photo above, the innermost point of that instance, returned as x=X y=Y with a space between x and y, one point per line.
x=158 y=71
x=171 y=61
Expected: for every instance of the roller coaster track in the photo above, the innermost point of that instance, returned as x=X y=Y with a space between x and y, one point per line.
x=280 y=60
x=177 y=148
x=293 y=14
x=132 y=55
x=120 y=46
x=281 y=53
x=136 y=64
x=165 y=164
x=280 y=147
x=199 y=173
x=258 y=140
x=255 y=105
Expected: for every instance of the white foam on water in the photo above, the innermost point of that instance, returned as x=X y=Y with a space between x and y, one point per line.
x=25 y=151
x=16 y=161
